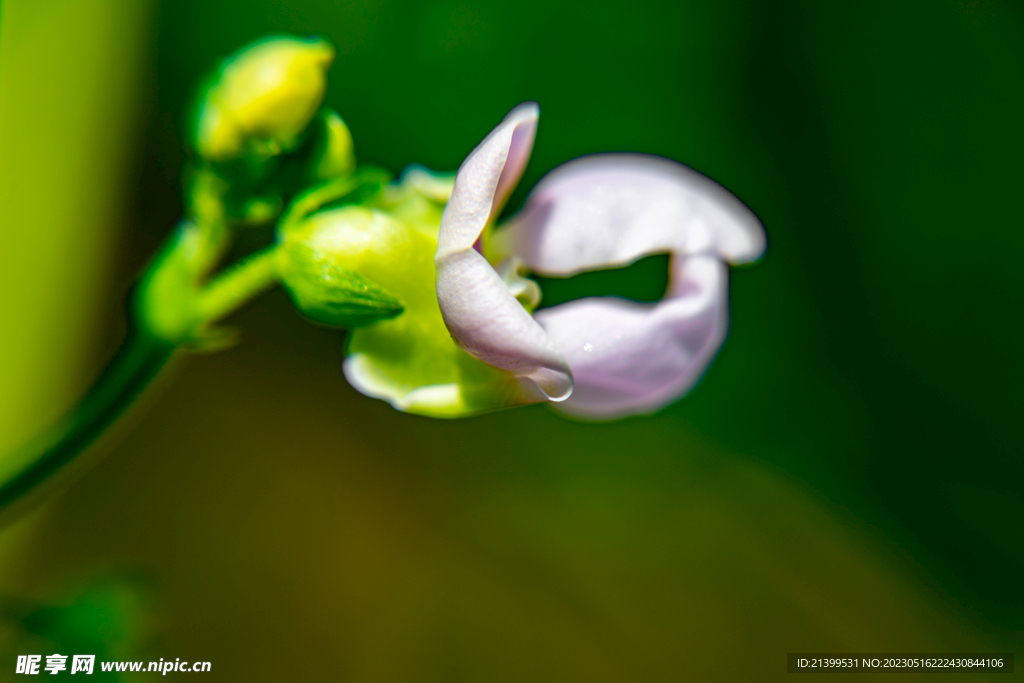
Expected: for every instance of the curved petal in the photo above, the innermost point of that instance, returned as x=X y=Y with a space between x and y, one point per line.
x=486 y=178
x=610 y=209
x=630 y=358
x=483 y=317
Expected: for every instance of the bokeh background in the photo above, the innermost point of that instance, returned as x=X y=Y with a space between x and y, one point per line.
x=846 y=477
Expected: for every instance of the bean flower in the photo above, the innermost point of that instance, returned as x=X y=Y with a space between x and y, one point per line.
x=595 y=358
x=442 y=318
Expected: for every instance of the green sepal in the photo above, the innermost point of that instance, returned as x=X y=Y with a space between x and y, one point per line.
x=333 y=154
x=360 y=188
x=370 y=181
x=330 y=295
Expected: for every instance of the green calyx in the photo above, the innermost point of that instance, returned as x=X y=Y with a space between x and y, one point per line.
x=344 y=252
x=333 y=262
x=331 y=295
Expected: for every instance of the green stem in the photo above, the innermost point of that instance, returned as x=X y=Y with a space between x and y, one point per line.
x=237 y=285
x=137 y=362
x=170 y=310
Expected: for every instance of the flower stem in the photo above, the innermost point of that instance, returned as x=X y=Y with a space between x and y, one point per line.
x=137 y=362
x=239 y=283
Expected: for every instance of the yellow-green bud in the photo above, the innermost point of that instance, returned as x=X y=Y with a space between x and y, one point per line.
x=334 y=155
x=334 y=262
x=263 y=99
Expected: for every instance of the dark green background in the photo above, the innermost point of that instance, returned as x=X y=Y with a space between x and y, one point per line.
x=871 y=362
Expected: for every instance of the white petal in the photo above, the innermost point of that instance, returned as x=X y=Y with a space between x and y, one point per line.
x=483 y=317
x=630 y=358
x=486 y=177
x=610 y=209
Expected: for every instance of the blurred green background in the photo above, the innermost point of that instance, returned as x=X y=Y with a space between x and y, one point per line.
x=847 y=476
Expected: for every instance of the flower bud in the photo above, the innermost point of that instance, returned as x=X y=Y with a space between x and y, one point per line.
x=333 y=154
x=263 y=99
x=343 y=267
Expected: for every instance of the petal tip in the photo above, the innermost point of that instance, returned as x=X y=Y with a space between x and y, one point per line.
x=523 y=112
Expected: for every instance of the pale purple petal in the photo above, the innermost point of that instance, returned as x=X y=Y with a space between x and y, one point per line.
x=486 y=177
x=610 y=209
x=630 y=358
x=484 y=318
